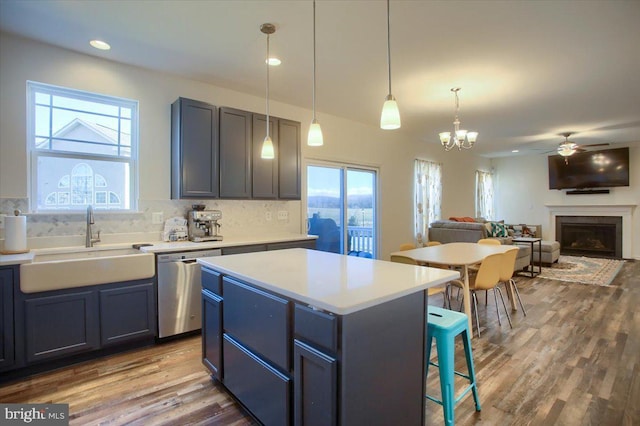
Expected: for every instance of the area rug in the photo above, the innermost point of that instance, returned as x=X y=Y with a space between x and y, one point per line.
x=584 y=270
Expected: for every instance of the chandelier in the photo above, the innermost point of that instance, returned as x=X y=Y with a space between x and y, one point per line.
x=461 y=138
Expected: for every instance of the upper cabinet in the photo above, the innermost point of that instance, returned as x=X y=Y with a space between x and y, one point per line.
x=194 y=150
x=289 y=159
x=235 y=153
x=218 y=155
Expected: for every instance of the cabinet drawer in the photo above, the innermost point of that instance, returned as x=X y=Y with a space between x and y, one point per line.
x=317 y=328
x=262 y=389
x=257 y=319
x=212 y=281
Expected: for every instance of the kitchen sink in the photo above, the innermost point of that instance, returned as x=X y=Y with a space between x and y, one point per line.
x=78 y=267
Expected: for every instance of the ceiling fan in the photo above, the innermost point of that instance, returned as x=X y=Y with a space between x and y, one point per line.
x=568 y=148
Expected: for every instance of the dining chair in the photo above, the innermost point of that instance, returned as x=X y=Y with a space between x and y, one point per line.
x=431 y=291
x=433 y=243
x=407 y=246
x=506 y=273
x=489 y=241
x=487 y=278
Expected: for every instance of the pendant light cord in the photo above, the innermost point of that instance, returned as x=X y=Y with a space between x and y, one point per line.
x=267 y=62
x=389 y=44
x=314 y=60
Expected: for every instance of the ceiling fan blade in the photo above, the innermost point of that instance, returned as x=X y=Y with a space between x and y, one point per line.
x=597 y=144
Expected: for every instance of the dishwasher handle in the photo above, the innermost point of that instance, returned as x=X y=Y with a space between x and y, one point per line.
x=189 y=261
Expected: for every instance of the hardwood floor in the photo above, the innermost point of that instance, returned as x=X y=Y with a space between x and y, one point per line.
x=573 y=360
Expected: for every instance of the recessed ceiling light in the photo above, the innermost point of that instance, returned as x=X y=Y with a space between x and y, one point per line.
x=99 y=44
x=273 y=62
x=515 y=150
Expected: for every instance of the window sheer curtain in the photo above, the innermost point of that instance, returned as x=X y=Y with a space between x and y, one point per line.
x=428 y=204
x=484 y=194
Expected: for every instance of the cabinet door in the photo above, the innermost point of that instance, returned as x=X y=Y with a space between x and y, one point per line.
x=315 y=386
x=289 y=159
x=194 y=150
x=127 y=314
x=264 y=172
x=310 y=244
x=212 y=333
x=243 y=249
x=61 y=325
x=235 y=153
x=7 y=353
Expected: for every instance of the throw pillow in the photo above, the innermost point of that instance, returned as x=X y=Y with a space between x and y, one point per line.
x=499 y=230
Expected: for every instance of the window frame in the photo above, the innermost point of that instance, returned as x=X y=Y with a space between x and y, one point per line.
x=35 y=154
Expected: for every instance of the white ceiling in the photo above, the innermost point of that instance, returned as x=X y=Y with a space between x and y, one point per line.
x=529 y=70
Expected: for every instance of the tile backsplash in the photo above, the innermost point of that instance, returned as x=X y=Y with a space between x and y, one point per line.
x=240 y=218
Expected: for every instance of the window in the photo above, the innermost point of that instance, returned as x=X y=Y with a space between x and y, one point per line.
x=428 y=195
x=83 y=149
x=484 y=194
x=337 y=195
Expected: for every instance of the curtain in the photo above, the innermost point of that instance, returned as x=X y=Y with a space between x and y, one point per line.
x=484 y=194
x=428 y=192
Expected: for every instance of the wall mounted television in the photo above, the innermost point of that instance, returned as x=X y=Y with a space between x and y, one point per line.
x=590 y=169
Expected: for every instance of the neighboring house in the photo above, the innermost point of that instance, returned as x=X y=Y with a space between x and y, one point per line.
x=83 y=182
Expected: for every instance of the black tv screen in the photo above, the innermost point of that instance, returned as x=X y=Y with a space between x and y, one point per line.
x=591 y=169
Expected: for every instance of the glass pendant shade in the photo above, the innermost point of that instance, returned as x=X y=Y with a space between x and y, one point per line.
x=460 y=135
x=445 y=137
x=472 y=136
x=267 y=152
x=390 y=118
x=315 y=134
x=567 y=149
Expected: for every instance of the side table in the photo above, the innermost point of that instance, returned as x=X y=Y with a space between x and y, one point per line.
x=532 y=241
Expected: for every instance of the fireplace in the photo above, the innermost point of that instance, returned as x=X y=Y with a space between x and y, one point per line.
x=597 y=236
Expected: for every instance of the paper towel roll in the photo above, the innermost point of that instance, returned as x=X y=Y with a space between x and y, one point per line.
x=15 y=233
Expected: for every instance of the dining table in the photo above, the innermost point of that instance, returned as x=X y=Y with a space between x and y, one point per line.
x=457 y=255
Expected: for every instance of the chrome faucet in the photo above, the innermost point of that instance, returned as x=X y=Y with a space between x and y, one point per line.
x=89 y=240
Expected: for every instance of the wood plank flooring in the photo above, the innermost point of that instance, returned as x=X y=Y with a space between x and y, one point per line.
x=573 y=360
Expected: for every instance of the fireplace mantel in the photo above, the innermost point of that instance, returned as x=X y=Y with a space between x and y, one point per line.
x=623 y=210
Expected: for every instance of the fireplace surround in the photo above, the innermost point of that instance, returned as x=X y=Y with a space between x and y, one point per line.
x=597 y=236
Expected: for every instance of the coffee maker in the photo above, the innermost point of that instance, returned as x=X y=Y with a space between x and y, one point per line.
x=203 y=225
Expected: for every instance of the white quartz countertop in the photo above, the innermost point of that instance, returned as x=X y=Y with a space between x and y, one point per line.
x=159 y=246
x=167 y=247
x=336 y=283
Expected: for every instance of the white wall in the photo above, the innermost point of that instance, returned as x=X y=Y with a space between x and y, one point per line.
x=523 y=192
x=345 y=140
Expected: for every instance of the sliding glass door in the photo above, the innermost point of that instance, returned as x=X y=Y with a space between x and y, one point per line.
x=339 y=195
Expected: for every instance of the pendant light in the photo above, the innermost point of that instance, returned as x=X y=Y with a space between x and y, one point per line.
x=267 y=152
x=315 y=132
x=390 y=118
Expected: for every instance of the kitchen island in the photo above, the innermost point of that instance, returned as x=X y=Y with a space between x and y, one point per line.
x=307 y=337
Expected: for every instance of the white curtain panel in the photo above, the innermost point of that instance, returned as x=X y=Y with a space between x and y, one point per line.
x=484 y=195
x=428 y=190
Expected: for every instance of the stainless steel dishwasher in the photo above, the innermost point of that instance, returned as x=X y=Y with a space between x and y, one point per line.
x=179 y=300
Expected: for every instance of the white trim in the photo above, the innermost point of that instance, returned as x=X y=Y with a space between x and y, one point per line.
x=623 y=210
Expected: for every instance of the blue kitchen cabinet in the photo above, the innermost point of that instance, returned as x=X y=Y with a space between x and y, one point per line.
x=7 y=353
x=127 y=313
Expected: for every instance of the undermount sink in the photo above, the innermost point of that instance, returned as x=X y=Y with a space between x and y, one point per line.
x=81 y=267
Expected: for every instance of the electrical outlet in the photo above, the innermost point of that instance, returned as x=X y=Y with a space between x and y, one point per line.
x=157 y=218
x=283 y=215
x=267 y=216
x=2 y=221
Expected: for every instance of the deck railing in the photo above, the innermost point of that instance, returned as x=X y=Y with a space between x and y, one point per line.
x=360 y=239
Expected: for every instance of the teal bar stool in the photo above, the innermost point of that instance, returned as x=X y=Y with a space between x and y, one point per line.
x=444 y=325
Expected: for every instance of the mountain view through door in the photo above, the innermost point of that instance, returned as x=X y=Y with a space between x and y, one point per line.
x=338 y=195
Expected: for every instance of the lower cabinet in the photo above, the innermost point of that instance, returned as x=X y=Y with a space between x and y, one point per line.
x=58 y=325
x=258 y=386
x=7 y=353
x=127 y=313
x=315 y=390
x=212 y=332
